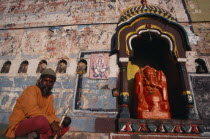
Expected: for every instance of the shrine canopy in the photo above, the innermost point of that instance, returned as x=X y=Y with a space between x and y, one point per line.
x=148 y=18
x=134 y=12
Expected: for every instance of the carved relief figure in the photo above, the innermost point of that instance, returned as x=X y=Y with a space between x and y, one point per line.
x=62 y=65
x=42 y=66
x=82 y=67
x=151 y=95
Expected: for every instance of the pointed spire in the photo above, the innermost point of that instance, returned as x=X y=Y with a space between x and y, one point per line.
x=144 y=2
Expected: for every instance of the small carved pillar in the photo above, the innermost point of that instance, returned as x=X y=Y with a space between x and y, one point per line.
x=123 y=88
x=186 y=93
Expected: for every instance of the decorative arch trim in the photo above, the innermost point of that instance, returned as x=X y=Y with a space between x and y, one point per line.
x=130 y=15
x=140 y=29
x=153 y=31
x=132 y=12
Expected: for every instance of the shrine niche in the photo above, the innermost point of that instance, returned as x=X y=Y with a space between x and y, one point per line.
x=201 y=67
x=61 y=66
x=41 y=66
x=81 y=67
x=23 y=67
x=6 y=67
x=150 y=37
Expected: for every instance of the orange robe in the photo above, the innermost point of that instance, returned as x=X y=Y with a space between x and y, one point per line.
x=30 y=103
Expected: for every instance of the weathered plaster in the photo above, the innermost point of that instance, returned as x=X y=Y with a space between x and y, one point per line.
x=190 y=64
x=62 y=12
x=198 y=9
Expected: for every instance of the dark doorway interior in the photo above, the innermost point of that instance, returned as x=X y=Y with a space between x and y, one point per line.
x=153 y=50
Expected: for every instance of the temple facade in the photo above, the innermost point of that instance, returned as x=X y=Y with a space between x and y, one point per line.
x=101 y=51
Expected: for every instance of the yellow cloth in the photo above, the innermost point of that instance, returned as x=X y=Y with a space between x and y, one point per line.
x=30 y=103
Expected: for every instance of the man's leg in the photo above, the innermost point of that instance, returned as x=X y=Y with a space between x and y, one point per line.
x=38 y=123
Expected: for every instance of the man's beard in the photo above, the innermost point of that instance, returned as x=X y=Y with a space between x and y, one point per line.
x=46 y=90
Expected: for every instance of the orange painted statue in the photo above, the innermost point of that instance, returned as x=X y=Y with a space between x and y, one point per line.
x=151 y=95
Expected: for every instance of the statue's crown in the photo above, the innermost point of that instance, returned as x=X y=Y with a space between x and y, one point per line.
x=148 y=69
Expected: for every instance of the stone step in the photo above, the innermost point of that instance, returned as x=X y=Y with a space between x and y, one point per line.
x=130 y=135
x=89 y=135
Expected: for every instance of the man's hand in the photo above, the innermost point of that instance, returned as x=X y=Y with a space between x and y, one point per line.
x=55 y=128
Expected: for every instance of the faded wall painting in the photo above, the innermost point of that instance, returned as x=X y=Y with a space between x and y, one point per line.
x=99 y=66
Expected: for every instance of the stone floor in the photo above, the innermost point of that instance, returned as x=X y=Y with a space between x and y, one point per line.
x=88 y=135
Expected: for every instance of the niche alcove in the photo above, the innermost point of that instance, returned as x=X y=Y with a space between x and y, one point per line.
x=151 y=49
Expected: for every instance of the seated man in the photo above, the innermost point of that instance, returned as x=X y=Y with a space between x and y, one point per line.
x=34 y=111
x=151 y=96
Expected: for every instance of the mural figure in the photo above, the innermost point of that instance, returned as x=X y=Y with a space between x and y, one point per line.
x=99 y=66
x=82 y=67
x=62 y=65
x=42 y=66
x=34 y=113
x=151 y=95
x=201 y=66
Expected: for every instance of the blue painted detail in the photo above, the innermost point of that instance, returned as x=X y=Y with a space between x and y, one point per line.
x=18 y=92
x=112 y=82
x=98 y=99
x=6 y=82
x=68 y=83
x=81 y=27
x=67 y=98
x=55 y=28
x=29 y=56
x=24 y=82
x=13 y=101
x=87 y=83
x=56 y=100
x=7 y=57
x=65 y=82
x=4 y=100
x=1 y=110
x=4 y=117
x=58 y=84
x=83 y=124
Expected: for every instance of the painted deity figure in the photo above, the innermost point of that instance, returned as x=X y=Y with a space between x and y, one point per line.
x=99 y=69
x=151 y=95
